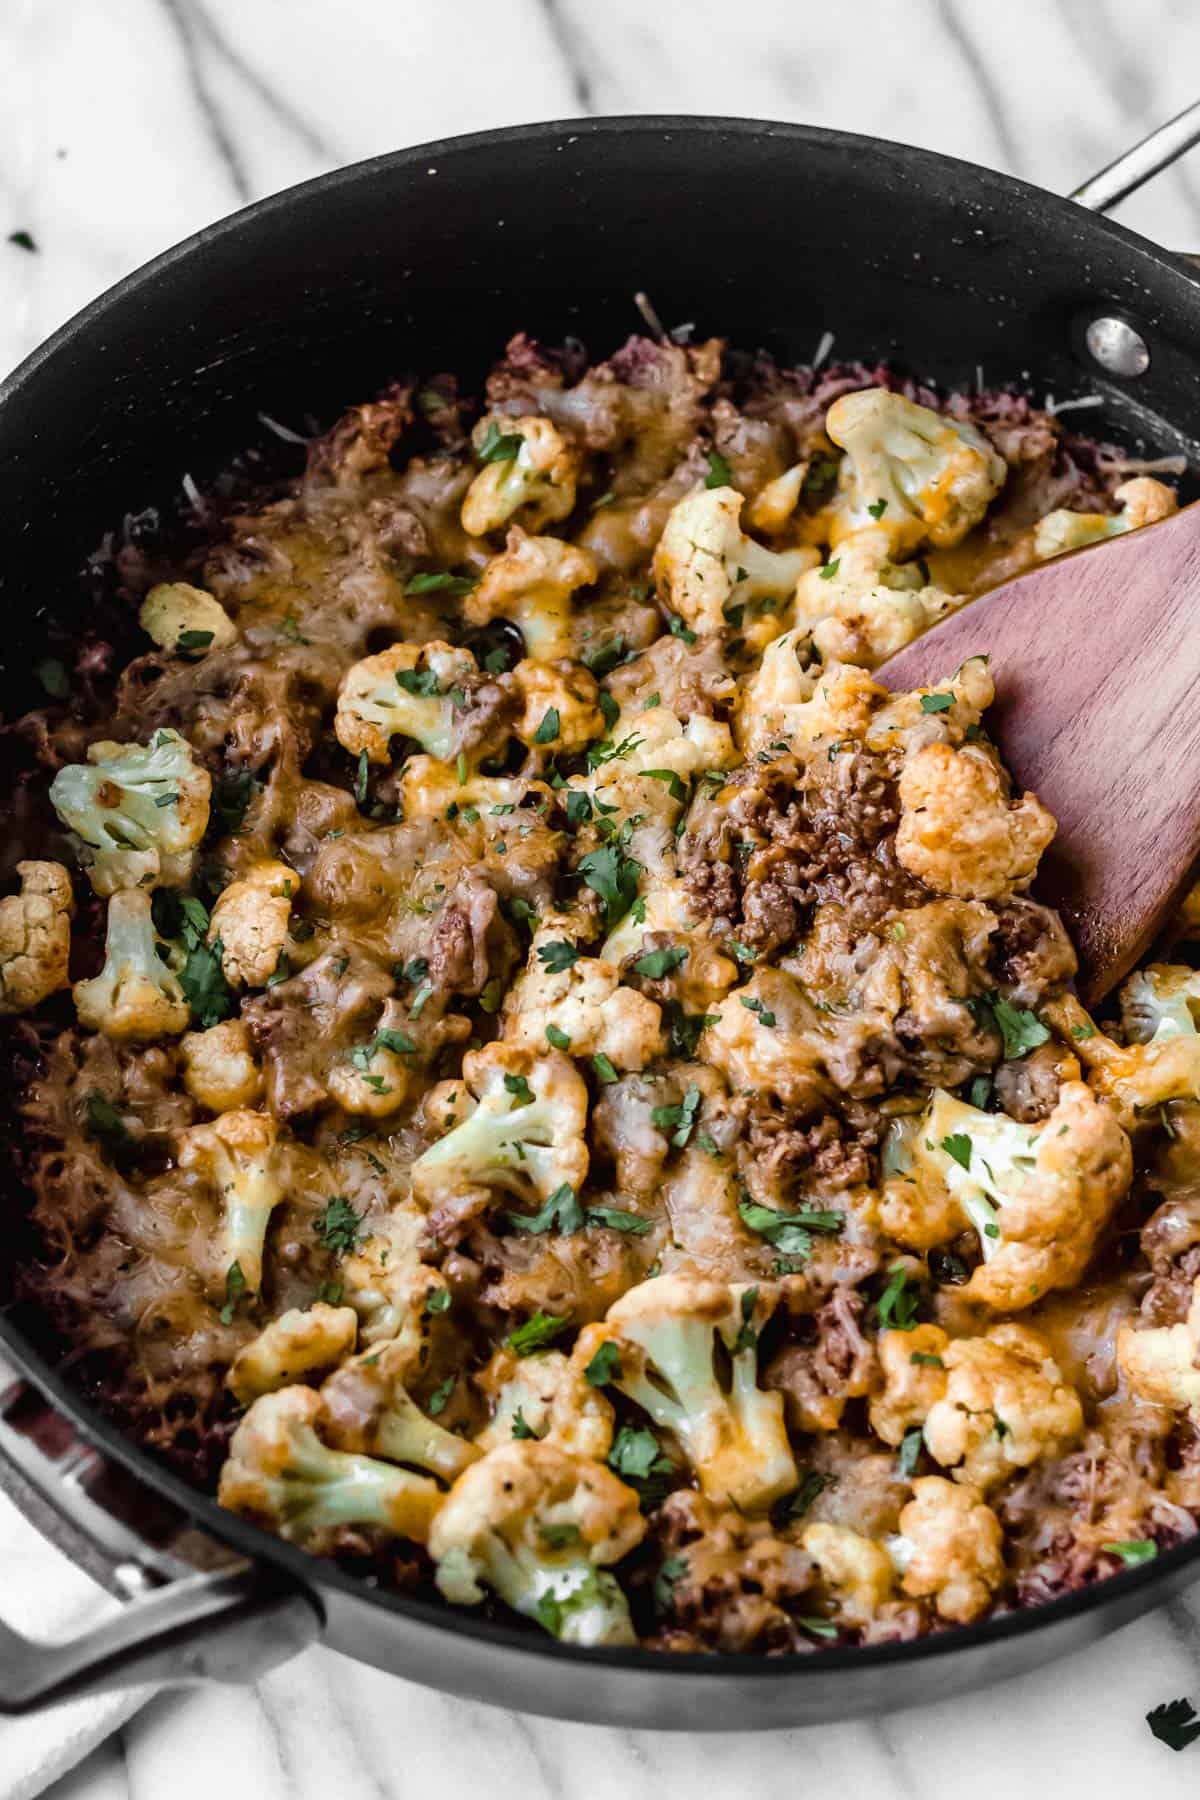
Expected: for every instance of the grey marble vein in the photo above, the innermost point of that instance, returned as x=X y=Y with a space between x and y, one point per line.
x=183 y=23
x=985 y=83
x=572 y=46
x=276 y=104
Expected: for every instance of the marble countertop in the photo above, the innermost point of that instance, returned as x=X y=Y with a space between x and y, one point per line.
x=128 y=125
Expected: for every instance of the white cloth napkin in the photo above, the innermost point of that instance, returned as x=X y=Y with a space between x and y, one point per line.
x=45 y=1596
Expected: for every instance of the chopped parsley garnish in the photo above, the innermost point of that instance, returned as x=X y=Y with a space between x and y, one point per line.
x=437 y=1300
x=1133 y=1552
x=877 y=509
x=637 y=1454
x=614 y=877
x=606 y=751
x=105 y=1122
x=676 y=787
x=789 y=1233
x=558 y=956
x=610 y=712
x=670 y=1570
x=389 y=1039
x=519 y=1086
x=606 y=1074
x=538 y=1330
x=421 y=682
x=657 y=963
x=520 y=1429
x=338 y=1226
x=719 y=472
x=958 y=1147
x=231 y=796
x=549 y=728
x=562 y=1211
x=557 y=1038
x=23 y=240
x=923 y=1359
x=1021 y=1030
x=686 y=1029
x=53 y=677
x=796 y=1504
x=235 y=1287
x=910 y=1452
x=362 y=778
x=936 y=703
x=579 y=809
x=678 y=1120
x=759 y=1010
x=613 y=1218
x=828 y=570
x=499 y=446
x=193 y=643
x=604 y=1367
x=604 y=659
x=677 y=628
x=453 y=586
x=1082 y=1032
x=897 y=1305
x=747 y=1337
x=440 y=1396
x=204 y=985
x=818 y=1628
x=1174 y=1724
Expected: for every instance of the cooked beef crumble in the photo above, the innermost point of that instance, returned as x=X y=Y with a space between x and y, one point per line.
x=565 y=1095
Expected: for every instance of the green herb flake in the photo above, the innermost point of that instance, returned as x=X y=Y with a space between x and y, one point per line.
x=719 y=473
x=205 y=988
x=499 y=446
x=1133 y=1552
x=549 y=728
x=910 y=1452
x=441 y=582
x=235 y=1287
x=538 y=1330
x=958 y=1147
x=605 y=1366
x=606 y=1074
x=557 y=1037
x=877 y=509
x=437 y=1300
x=1174 y=1724
x=614 y=1218
x=897 y=1305
x=936 y=703
x=53 y=676
x=558 y=956
x=105 y=1122
x=759 y=1010
x=657 y=963
x=440 y=1396
x=519 y=1086
x=828 y=570
x=338 y=1226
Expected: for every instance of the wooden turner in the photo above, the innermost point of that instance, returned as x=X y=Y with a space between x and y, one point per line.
x=1096 y=660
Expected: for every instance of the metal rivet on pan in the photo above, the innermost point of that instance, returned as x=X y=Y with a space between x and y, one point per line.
x=1117 y=346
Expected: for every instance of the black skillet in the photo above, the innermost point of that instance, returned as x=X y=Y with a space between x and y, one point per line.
x=769 y=235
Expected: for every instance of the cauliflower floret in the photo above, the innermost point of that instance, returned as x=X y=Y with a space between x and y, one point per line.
x=1162 y=1365
x=946 y=714
x=1143 y=502
x=914 y=1377
x=921 y=478
x=559 y=705
x=291 y=1348
x=382 y=1073
x=669 y=907
x=368 y=1408
x=538 y=1526
x=428 y=789
x=250 y=922
x=1005 y=1406
x=139 y=811
x=1038 y=1196
x=1160 y=1062
x=407 y=689
x=705 y=563
x=237 y=1156
x=579 y=998
x=525 y=1136
x=791 y=698
x=859 y=1571
x=861 y=608
x=774 y=504
x=529 y=468
x=387 y=1284
x=135 y=995
x=219 y=1069
x=960 y=830
x=35 y=936
x=280 y=1475
x=186 y=619
x=549 y=1396
x=950 y=1549
x=767 y=1036
x=531 y=583
x=667 y=1331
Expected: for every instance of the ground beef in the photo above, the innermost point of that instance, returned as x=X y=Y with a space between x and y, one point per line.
x=472 y=942
x=817 y=1377
x=730 y=1583
x=1032 y=954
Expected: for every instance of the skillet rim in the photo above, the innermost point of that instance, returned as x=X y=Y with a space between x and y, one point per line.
x=258 y=1546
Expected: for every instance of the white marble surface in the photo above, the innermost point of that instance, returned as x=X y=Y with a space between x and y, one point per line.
x=124 y=125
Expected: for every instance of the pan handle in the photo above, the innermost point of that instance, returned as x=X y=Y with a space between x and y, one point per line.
x=196 y=1611
x=1142 y=161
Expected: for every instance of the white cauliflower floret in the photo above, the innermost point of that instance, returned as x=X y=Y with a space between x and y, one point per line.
x=135 y=995
x=667 y=1332
x=913 y=1367
x=792 y=699
x=186 y=619
x=407 y=690
x=219 y=1069
x=1038 y=1196
x=946 y=714
x=861 y=608
x=1162 y=1364
x=379 y=1074
x=960 y=830
x=1005 y=1407
x=236 y=1156
x=539 y=1526
x=705 y=563
x=526 y=1135
x=562 y=995
x=859 y=1571
x=531 y=583
x=35 y=936
x=920 y=478
x=949 y=1549
x=559 y=705
x=279 y=1474
x=291 y=1348
x=529 y=468
x=384 y=1280
x=428 y=788
x=1143 y=502
x=369 y=1408
x=768 y=1036
x=549 y=1397
x=1161 y=1060
x=774 y=504
x=139 y=812
x=669 y=907
x=250 y=922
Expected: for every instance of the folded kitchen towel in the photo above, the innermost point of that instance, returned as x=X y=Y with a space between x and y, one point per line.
x=43 y=1595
